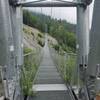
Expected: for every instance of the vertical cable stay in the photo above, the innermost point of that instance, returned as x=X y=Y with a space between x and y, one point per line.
x=51 y=9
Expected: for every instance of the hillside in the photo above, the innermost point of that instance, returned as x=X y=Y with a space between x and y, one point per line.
x=61 y=30
x=33 y=38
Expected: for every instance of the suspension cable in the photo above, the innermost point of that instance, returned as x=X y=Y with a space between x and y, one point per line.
x=66 y=1
x=85 y=2
x=69 y=1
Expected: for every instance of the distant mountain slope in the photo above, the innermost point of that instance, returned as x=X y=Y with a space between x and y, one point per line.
x=61 y=30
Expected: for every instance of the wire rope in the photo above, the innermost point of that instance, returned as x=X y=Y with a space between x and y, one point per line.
x=65 y=1
x=37 y=1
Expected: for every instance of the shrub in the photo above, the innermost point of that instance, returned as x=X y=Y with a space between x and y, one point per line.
x=41 y=42
x=40 y=35
x=26 y=31
x=32 y=33
x=56 y=47
x=28 y=72
x=70 y=69
x=27 y=50
x=27 y=76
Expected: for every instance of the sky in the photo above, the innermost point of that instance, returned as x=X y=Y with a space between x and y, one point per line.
x=68 y=14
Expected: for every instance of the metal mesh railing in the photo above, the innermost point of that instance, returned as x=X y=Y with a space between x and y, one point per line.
x=67 y=66
x=28 y=72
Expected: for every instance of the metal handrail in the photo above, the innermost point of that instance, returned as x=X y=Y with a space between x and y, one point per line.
x=28 y=53
x=78 y=3
x=71 y=92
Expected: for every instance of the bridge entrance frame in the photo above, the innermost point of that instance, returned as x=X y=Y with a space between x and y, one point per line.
x=11 y=32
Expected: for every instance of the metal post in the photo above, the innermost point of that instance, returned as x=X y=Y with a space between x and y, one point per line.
x=7 y=59
x=19 y=43
x=83 y=41
x=17 y=29
x=94 y=55
x=83 y=34
x=94 y=58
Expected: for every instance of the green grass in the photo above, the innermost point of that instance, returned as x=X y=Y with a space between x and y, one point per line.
x=26 y=31
x=66 y=64
x=41 y=41
x=27 y=79
x=56 y=47
x=67 y=67
x=27 y=50
x=70 y=69
x=29 y=69
x=40 y=35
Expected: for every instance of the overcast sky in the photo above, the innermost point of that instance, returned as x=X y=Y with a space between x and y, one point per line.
x=68 y=14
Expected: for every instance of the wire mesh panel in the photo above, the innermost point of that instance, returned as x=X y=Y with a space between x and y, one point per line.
x=67 y=66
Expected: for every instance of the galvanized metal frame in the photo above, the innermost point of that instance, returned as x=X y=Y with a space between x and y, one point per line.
x=49 y=4
x=82 y=31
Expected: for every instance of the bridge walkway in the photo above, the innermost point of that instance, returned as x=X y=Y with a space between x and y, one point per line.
x=48 y=84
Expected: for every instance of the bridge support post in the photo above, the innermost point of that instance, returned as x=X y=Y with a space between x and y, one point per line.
x=17 y=30
x=7 y=58
x=83 y=43
x=11 y=48
x=94 y=55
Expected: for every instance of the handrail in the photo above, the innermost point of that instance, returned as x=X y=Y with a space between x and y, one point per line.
x=71 y=92
x=87 y=92
x=29 y=53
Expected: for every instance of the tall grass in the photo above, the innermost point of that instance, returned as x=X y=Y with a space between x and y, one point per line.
x=66 y=64
x=29 y=69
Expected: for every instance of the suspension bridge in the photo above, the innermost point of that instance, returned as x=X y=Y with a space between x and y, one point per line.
x=49 y=84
